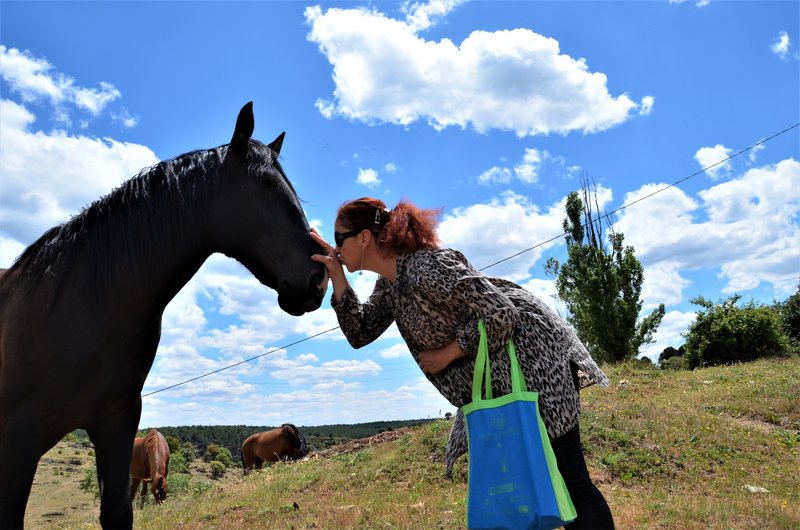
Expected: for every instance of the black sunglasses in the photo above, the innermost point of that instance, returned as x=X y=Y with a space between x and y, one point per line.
x=339 y=237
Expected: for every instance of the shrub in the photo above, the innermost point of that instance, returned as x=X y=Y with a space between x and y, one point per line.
x=790 y=319
x=217 y=469
x=89 y=483
x=177 y=463
x=178 y=483
x=173 y=443
x=672 y=363
x=211 y=452
x=724 y=333
x=224 y=457
x=188 y=452
x=670 y=352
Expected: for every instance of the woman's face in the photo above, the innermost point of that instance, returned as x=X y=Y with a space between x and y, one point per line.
x=350 y=250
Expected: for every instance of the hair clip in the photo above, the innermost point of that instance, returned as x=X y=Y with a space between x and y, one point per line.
x=378 y=216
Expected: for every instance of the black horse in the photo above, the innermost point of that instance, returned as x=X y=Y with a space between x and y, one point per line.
x=80 y=309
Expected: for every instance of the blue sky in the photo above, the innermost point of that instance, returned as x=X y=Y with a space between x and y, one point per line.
x=488 y=110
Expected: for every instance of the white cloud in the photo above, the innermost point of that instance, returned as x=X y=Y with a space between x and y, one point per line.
x=391 y=167
x=750 y=232
x=70 y=172
x=714 y=156
x=527 y=170
x=781 y=45
x=368 y=177
x=489 y=232
x=753 y=154
x=396 y=351
x=698 y=3
x=646 y=106
x=669 y=333
x=419 y=15
x=31 y=77
x=514 y=80
x=495 y=175
x=125 y=119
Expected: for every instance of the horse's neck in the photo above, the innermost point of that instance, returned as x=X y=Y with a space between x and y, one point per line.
x=158 y=258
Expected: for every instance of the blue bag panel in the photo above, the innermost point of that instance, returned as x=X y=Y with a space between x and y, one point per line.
x=510 y=485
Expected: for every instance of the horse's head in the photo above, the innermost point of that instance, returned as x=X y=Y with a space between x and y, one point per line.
x=298 y=441
x=160 y=489
x=257 y=220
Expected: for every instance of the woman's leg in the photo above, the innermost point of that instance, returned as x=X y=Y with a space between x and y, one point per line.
x=593 y=511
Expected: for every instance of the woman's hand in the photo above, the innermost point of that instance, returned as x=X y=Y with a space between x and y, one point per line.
x=330 y=259
x=434 y=361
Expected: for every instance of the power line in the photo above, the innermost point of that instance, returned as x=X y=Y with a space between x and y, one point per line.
x=606 y=216
x=640 y=199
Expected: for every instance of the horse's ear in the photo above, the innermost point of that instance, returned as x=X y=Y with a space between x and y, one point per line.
x=277 y=143
x=245 y=124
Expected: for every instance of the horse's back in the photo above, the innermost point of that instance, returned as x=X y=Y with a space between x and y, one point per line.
x=140 y=466
x=157 y=450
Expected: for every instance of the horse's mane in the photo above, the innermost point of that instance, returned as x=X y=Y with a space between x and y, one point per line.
x=108 y=218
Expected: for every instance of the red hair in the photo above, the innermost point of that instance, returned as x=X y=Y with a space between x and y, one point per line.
x=404 y=229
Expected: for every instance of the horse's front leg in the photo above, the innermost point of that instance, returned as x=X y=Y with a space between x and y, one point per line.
x=143 y=496
x=20 y=450
x=134 y=487
x=113 y=440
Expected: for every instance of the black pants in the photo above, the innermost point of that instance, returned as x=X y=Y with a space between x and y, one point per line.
x=593 y=511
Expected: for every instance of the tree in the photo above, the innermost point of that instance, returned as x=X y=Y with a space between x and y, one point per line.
x=789 y=312
x=669 y=352
x=601 y=287
x=724 y=333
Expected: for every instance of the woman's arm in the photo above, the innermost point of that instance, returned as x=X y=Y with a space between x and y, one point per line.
x=360 y=323
x=448 y=280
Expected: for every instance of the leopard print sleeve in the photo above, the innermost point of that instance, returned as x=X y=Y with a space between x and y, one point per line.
x=447 y=279
x=363 y=323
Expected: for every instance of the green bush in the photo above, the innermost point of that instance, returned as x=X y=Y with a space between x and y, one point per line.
x=188 y=452
x=217 y=469
x=790 y=319
x=173 y=443
x=89 y=483
x=177 y=463
x=178 y=483
x=211 y=452
x=672 y=363
x=224 y=457
x=725 y=333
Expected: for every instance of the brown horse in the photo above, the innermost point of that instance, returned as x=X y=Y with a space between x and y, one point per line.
x=283 y=443
x=81 y=308
x=150 y=464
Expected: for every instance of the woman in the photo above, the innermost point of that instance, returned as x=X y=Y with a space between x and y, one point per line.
x=436 y=297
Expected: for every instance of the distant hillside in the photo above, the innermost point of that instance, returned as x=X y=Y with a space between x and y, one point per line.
x=231 y=436
x=716 y=448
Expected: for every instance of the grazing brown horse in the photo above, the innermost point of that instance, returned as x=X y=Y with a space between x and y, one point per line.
x=81 y=308
x=150 y=464
x=283 y=443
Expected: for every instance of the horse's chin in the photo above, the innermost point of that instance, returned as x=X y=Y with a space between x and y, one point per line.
x=298 y=307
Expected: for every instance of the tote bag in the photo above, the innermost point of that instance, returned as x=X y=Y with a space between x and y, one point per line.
x=514 y=481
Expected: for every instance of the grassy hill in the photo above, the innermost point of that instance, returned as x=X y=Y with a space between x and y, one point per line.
x=714 y=448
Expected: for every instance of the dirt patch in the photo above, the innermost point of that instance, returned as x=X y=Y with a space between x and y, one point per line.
x=361 y=443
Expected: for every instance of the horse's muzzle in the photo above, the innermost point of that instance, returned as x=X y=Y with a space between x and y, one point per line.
x=296 y=304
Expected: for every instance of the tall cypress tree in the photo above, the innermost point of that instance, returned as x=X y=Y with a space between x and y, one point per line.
x=601 y=286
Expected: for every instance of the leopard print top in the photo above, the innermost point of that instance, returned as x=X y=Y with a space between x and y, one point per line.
x=438 y=297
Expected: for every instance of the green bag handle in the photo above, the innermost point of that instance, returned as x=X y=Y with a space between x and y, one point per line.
x=483 y=371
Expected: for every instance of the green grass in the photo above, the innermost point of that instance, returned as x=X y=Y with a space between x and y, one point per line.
x=669 y=450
